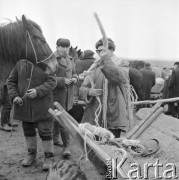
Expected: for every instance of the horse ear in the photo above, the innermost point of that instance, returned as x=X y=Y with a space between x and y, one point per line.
x=26 y=24
x=17 y=19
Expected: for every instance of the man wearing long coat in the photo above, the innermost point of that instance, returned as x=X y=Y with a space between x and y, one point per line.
x=116 y=100
x=31 y=107
x=64 y=93
x=148 y=80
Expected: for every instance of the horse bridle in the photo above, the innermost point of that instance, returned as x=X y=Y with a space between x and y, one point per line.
x=35 y=51
x=32 y=63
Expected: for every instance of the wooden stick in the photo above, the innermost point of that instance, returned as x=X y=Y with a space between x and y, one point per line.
x=156 y=101
x=95 y=154
x=105 y=44
x=137 y=127
x=105 y=41
x=60 y=108
x=147 y=123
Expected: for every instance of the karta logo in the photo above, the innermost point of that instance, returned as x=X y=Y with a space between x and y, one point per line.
x=135 y=171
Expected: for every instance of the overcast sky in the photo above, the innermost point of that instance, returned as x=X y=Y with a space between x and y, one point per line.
x=140 y=28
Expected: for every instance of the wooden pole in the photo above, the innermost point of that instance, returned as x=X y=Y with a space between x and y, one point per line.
x=156 y=101
x=137 y=127
x=96 y=154
x=147 y=123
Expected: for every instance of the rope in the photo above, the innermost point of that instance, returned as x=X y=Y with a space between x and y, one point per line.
x=32 y=47
x=131 y=97
x=105 y=96
x=91 y=131
x=98 y=112
x=36 y=53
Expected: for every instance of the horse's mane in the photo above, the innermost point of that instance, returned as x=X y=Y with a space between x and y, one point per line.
x=12 y=39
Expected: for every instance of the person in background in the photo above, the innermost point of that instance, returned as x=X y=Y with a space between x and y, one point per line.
x=174 y=85
x=82 y=64
x=6 y=110
x=63 y=93
x=148 y=81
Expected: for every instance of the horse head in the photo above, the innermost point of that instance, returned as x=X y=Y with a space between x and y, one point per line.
x=23 y=39
x=75 y=53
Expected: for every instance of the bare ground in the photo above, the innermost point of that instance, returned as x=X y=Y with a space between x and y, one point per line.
x=13 y=150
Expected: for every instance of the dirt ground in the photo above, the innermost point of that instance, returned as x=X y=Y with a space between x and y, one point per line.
x=13 y=150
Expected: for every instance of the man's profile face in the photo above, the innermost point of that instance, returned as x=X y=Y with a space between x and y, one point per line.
x=102 y=51
x=63 y=51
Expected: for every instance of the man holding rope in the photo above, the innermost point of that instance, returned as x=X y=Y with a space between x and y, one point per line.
x=104 y=92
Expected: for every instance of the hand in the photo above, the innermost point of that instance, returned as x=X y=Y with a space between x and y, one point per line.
x=17 y=100
x=75 y=99
x=74 y=80
x=68 y=81
x=31 y=93
x=104 y=52
x=95 y=92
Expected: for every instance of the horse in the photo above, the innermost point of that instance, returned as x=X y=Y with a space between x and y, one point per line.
x=23 y=39
x=75 y=53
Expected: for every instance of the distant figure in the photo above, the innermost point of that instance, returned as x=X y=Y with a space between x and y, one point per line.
x=85 y=61
x=174 y=85
x=82 y=64
x=148 y=80
x=6 y=110
x=159 y=72
x=136 y=80
x=168 y=93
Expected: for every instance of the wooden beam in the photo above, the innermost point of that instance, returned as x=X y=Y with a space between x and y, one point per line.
x=147 y=123
x=137 y=127
x=156 y=101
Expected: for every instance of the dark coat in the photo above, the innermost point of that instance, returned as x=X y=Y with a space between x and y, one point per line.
x=32 y=110
x=136 y=80
x=174 y=83
x=63 y=93
x=116 y=101
x=148 y=82
x=83 y=64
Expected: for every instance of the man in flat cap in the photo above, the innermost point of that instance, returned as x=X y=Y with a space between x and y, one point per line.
x=108 y=81
x=63 y=93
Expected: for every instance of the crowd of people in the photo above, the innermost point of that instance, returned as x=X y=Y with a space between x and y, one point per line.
x=104 y=90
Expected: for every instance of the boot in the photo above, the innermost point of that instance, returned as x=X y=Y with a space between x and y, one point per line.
x=32 y=151
x=49 y=156
x=66 y=151
x=56 y=133
x=6 y=127
x=66 y=141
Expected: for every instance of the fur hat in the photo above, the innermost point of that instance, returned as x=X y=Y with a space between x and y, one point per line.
x=87 y=54
x=63 y=42
x=111 y=44
x=147 y=64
